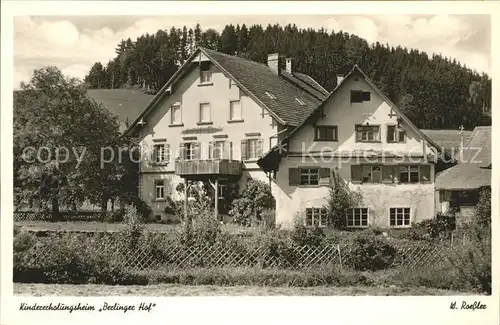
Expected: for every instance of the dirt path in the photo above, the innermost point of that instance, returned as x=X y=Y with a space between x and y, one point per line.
x=29 y=289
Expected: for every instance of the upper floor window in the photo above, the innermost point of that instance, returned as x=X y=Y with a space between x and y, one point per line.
x=371 y=174
x=159 y=153
x=359 y=96
x=190 y=150
x=414 y=174
x=394 y=134
x=175 y=114
x=235 y=110
x=357 y=217
x=367 y=133
x=205 y=73
x=220 y=150
x=326 y=133
x=316 y=217
x=205 y=112
x=251 y=149
x=309 y=176
x=399 y=217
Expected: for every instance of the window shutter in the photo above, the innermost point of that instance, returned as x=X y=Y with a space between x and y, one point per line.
x=293 y=176
x=182 y=151
x=243 y=149
x=356 y=174
x=167 y=153
x=395 y=173
x=196 y=150
x=425 y=173
x=391 y=133
x=387 y=174
x=210 y=150
x=324 y=176
x=260 y=146
x=228 y=150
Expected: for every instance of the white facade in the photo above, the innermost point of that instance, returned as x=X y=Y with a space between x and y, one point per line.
x=412 y=201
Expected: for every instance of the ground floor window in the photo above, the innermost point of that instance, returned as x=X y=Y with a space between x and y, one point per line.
x=399 y=217
x=159 y=189
x=316 y=217
x=357 y=218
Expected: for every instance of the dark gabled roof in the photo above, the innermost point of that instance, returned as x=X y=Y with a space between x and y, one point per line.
x=463 y=177
x=124 y=103
x=256 y=79
x=474 y=165
x=271 y=159
x=449 y=140
x=478 y=149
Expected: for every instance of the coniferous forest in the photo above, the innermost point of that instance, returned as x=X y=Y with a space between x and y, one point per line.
x=433 y=91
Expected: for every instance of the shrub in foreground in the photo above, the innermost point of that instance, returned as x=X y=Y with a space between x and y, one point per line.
x=372 y=252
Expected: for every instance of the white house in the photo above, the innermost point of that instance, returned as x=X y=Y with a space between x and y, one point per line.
x=214 y=118
x=356 y=134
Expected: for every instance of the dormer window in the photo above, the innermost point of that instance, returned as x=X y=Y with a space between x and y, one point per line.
x=300 y=102
x=270 y=95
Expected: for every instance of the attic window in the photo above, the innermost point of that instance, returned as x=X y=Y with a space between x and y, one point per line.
x=300 y=102
x=270 y=95
x=359 y=96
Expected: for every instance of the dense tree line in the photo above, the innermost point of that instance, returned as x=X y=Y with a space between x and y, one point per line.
x=434 y=91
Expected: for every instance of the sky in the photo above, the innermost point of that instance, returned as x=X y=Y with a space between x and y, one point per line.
x=75 y=43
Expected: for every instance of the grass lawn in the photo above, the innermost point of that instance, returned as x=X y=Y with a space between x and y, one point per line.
x=35 y=289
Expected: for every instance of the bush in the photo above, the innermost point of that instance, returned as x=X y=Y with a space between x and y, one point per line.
x=473 y=261
x=66 y=259
x=483 y=208
x=431 y=229
x=371 y=252
x=248 y=209
x=304 y=236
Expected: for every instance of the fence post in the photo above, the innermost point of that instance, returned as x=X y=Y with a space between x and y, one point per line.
x=340 y=258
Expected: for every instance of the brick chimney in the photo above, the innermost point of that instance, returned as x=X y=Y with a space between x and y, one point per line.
x=289 y=66
x=273 y=61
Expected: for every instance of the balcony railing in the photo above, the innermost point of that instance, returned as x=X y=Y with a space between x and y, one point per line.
x=223 y=167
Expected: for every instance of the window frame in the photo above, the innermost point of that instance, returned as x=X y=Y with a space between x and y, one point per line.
x=162 y=153
x=159 y=184
x=396 y=134
x=409 y=172
x=200 y=120
x=223 y=144
x=172 y=120
x=188 y=147
x=361 y=211
x=363 y=96
x=371 y=167
x=317 y=215
x=248 y=149
x=398 y=214
x=309 y=174
x=205 y=71
x=359 y=126
x=232 y=118
x=333 y=128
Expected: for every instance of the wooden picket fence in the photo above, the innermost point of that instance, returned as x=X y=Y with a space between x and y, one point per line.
x=158 y=253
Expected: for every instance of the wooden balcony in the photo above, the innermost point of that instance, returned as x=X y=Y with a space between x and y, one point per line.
x=222 y=167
